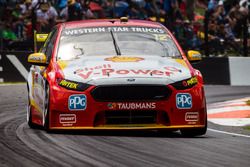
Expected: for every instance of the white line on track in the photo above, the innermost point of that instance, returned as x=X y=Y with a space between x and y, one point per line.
x=228 y=109
x=8 y=84
x=228 y=133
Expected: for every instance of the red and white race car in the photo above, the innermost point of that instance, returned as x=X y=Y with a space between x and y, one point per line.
x=115 y=74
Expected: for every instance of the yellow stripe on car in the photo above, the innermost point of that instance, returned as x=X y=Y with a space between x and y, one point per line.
x=62 y=64
x=182 y=62
x=122 y=127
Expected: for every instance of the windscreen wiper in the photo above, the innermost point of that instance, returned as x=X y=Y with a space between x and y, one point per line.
x=117 y=49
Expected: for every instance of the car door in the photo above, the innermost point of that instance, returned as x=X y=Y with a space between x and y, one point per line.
x=38 y=73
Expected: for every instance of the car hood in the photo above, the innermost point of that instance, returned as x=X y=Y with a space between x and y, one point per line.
x=103 y=70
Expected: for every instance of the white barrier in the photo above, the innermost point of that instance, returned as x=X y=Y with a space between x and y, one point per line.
x=239 y=70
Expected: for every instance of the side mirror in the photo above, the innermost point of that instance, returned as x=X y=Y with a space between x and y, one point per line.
x=194 y=56
x=37 y=59
x=39 y=40
x=41 y=37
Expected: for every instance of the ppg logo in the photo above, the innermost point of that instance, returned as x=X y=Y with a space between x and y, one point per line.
x=184 y=101
x=77 y=102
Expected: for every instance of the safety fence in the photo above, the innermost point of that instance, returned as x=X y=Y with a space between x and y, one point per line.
x=215 y=70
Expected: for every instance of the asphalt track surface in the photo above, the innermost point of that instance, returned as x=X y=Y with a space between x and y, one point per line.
x=22 y=146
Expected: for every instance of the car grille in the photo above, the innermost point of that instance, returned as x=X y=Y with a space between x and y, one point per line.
x=130 y=117
x=130 y=92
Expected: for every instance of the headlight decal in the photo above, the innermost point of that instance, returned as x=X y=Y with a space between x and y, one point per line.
x=192 y=81
x=72 y=85
x=185 y=84
x=67 y=84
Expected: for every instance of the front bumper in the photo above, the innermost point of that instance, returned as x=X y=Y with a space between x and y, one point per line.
x=94 y=115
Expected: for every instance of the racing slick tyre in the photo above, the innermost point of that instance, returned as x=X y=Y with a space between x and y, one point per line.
x=46 y=118
x=29 y=116
x=194 y=132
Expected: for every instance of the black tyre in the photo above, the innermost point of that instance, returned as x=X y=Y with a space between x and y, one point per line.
x=29 y=116
x=46 y=110
x=194 y=132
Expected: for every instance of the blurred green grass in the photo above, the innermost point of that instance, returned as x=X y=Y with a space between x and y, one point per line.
x=247 y=127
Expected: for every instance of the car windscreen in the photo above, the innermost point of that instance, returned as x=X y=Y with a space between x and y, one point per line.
x=107 y=41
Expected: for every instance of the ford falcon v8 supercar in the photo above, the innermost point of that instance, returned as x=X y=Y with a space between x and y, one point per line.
x=115 y=75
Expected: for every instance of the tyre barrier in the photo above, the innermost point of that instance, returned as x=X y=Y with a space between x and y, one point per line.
x=215 y=70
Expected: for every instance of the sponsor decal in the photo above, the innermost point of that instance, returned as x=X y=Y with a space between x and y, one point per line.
x=192 y=116
x=107 y=70
x=77 y=102
x=67 y=84
x=124 y=59
x=131 y=106
x=103 y=66
x=41 y=37
x=112 y=105
x=89 y=30
x=183 y=101
x=67 y=118
x=192 y=81
x=35 y=58
x=162 y=37
x=131 y=80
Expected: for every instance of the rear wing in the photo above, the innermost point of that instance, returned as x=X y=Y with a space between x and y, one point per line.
x=39 y=40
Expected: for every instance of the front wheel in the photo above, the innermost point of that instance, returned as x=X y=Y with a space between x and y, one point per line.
x=29 y=116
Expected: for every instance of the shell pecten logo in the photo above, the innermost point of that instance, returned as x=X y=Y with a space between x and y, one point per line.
x=124 y=59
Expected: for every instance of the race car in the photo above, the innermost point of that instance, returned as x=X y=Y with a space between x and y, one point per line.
x=116 y=74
